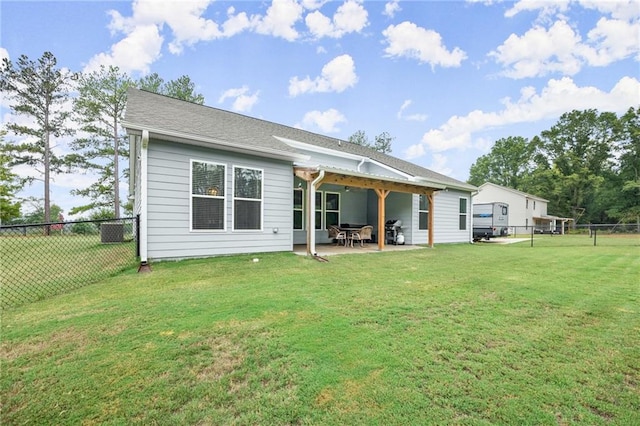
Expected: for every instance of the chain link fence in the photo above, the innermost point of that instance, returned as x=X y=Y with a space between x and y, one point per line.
x=618 y=234
x=41 y=260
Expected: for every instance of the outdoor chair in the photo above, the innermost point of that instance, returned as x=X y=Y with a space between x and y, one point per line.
x=335 y=234
x=363 y=234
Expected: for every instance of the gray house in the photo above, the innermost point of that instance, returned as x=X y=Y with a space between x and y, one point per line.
x=210 y=182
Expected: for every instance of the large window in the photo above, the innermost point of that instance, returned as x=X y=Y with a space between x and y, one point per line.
x=463 y=214
x=423 y=212
x=331 y=209
x=247 y=198
x=207 y=196
x=298 y=208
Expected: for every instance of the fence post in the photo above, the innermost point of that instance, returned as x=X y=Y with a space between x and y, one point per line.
x=532 y=236
x=595 y=236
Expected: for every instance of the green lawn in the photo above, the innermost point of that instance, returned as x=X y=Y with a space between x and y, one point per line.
x=459 y=334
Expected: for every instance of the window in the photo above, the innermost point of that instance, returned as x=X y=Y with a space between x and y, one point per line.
x=207 y=196
x=298 y=208
x=504 y=210
x=526 y=206
x=423 y=212
x=463 y=214
x=247 y=198
x=319 y=210
x=331 y=209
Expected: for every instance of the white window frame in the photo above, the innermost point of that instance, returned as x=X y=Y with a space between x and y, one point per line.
x=319 y=208
x=192 y=196
x=325 y=210
x=234 y=198
x=425 y=212
x=465 y=214
x=301 y=210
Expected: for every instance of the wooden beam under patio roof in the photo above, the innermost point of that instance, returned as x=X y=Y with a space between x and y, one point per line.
x=360 y=180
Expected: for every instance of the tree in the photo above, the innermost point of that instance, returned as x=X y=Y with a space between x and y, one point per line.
x=10 y=183
x=99 y=109
x=627 y=205
x=39 y=90
x=381 y=144
x=507 y=164
x=579 y=147
x=37 y=215
x=181 y=88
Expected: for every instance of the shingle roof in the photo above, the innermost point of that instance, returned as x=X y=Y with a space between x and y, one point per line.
x=162 y=113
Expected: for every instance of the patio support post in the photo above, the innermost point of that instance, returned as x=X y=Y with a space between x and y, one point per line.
x=430 y=215
x=382 y=195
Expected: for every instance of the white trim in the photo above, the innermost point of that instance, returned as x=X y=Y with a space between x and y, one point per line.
x=192 y=195
x=325 y=211
x=301 y=209
x=318 y=149
x=143 y=196
x=234 y=198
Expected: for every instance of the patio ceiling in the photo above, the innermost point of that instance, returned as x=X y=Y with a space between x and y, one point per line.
x=362 y=180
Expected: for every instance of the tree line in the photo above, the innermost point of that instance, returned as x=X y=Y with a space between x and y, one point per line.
x=41 y=93
x=587 y=165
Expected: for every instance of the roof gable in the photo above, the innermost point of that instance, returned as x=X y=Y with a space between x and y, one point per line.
x=514 y=191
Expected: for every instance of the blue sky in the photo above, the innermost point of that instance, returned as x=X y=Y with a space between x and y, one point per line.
x=446 y=79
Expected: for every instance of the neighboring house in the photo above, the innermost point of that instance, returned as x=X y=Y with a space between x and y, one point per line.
x=209 y=182
x=525 y=210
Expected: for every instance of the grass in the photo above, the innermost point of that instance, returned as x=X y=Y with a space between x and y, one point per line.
x=36 y=266
x=460 y=334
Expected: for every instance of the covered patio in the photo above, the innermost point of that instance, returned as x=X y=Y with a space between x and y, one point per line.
x=315 y=177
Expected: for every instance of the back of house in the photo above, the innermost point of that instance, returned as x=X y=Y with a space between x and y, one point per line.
x=490 y=220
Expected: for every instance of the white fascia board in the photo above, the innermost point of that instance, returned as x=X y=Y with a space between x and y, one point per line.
x=394 y=170
x=319 y=149
x=190 y=139
x=462 y=187
x=341 y=154
x=426 y=184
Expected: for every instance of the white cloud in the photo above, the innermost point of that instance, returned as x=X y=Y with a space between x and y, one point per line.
x=243 y=100
x=411 y=117
x=545 y=7
x=143 y=38
x=350 y=17
x=337 y=75
x=558 y=97
x=326 y=121
x=612 y=40
x=279 y=20
x=136 y=52
x=439 y=164
x=560 y=48
x=619 y=9
x=409 y=40
x=539 y=52
x=391 y=8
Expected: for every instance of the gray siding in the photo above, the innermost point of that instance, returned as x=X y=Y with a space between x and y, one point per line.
x=168 y=209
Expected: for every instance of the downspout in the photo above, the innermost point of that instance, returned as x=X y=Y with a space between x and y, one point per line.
x=471 y=214
x=143 y=202
x=361 y=163
x=312 y=215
